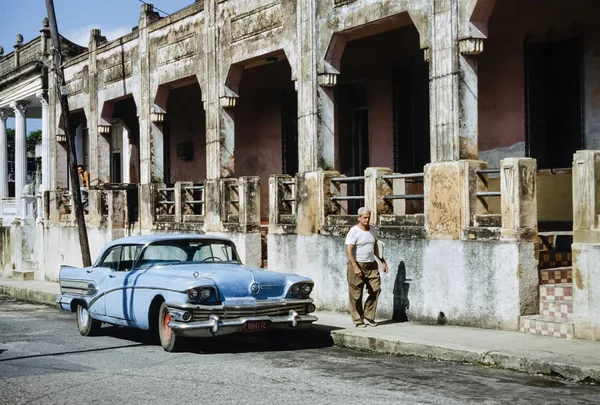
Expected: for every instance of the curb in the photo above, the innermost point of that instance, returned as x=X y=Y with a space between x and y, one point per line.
x=506 y=361
x=24 y=294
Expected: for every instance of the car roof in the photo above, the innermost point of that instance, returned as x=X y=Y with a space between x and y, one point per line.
x=145 y=239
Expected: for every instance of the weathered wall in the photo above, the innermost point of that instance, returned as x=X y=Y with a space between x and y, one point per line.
x=586 y=291
x=501 y=71
x=483 y=284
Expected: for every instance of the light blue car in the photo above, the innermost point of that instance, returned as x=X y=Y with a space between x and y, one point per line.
x=183 y=285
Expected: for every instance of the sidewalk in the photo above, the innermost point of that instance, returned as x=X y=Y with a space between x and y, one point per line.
x=577 y=360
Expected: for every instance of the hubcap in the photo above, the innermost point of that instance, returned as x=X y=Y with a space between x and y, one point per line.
x=166 y=329
x=83 y=316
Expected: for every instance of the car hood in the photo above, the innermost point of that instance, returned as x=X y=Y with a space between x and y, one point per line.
x=235 y=281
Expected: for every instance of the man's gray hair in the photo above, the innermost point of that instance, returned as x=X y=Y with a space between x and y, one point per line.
x=363 y=210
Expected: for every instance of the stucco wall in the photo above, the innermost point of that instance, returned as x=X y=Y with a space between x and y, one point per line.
x=484 y=284
x=586 y=291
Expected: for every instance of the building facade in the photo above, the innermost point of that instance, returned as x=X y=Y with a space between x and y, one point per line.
x=468 y=126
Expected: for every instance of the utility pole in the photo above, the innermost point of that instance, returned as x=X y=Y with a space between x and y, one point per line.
x=71 y=154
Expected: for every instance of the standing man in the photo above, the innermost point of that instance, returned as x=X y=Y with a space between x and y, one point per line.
x=363 y=270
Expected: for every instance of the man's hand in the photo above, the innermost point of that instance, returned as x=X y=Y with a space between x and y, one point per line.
x=357 y=271
x=385 y=267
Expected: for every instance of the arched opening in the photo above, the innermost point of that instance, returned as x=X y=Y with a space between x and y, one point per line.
x=266 y=123
x=123 y=140
x=184 y=133
x=382 y=104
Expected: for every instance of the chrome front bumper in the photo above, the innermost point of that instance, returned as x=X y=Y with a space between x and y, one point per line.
x=215 y=327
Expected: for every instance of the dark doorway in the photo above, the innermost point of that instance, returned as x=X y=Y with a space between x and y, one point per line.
x=411 y=117
x=289 y=132
x=553 y=96
x=354 y=139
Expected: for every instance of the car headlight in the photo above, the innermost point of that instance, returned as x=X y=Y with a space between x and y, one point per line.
x=306 y=289
x=301 y=290
x=205 y=293
x=193 y=294
x=295 y=290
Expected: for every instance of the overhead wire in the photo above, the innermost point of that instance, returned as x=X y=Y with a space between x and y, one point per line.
x=157 y=9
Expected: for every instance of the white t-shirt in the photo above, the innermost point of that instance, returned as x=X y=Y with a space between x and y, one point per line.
x=364 y=242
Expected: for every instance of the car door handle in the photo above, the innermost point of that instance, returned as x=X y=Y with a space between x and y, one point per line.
x=112 y=275
x=89 y=271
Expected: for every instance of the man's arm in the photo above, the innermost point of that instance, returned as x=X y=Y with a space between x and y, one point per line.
x=349 y=249
x=380 y=257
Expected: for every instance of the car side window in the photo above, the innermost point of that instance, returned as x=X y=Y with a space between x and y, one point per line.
x=111 y=260
x=162 y=254
x=128 y=256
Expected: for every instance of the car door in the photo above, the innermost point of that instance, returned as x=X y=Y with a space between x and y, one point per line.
x=120 y=287
x=104 y=271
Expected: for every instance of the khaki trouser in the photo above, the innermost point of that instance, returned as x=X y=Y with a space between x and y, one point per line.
x=370 y=278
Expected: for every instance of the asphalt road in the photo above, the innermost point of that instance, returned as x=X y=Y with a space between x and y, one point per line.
x=44 y=360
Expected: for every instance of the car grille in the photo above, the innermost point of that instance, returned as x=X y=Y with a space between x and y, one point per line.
x=233 y=313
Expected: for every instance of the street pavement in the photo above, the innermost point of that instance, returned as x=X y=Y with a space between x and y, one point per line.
x=44 y=360
x=570 y=359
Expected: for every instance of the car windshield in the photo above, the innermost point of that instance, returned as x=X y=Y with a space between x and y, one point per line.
x=188 y=251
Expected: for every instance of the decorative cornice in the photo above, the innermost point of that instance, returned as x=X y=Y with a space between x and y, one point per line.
x=4 y=114
x=157 y=116
x=228 y=101
x=427 y=54
x=20 y=107
x=104 y=129
x=327 y=79
x=43 y=97
x=470 y=46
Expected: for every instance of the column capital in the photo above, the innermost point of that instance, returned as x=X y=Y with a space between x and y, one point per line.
x=20 y=107
x=4 y=114
x=42 y=95
x=327 y=79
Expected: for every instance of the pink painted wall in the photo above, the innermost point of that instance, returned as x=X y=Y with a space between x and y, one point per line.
x=187 y=123
x=370 y=61
x=258 y=124
x=501 y=65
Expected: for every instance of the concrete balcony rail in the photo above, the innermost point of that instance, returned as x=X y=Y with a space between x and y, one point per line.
x=164 y=204
x=240 y=204
x=282 y=203
x=8 y=210
x=381 y=190
x=517 y=216
x=402 y=196
x=182 y=202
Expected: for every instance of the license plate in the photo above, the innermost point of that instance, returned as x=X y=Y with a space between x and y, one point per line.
x=255 y=326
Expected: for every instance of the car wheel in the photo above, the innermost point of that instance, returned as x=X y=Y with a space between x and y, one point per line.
x=168 y=339
x=87 y=325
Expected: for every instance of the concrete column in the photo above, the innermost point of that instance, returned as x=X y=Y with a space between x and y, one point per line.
x=375 y=189
x=43 y=97
x=313 y=195
x=249 y=189
x=586 y=196
x=451 y=197
x=316 y=110
x=20 y=108
x=453 y=86
x=518 y=198
x=281 y=202
x=3 y=155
